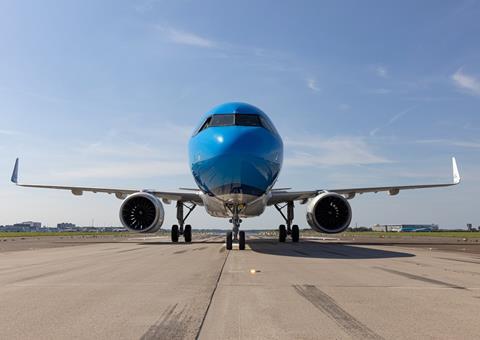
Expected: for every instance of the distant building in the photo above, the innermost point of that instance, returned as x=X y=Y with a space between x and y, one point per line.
x=24 y=226
x=405 y=227
x=65 y=225
x=30 y=224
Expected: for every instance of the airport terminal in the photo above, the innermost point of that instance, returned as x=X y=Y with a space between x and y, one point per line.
x=405 y=227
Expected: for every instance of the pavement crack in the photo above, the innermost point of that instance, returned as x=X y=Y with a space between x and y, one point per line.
x=211 y=296
x=345 y=320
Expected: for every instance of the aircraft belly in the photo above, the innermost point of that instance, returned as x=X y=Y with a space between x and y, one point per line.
x=217 y=205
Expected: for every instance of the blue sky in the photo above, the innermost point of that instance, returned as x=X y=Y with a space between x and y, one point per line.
x=364 y=94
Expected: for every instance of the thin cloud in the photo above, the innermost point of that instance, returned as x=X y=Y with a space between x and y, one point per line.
x=451 y=142
x=391 y=121
x=312 y=85
x=466 y=82
x=186 y=38
x=170 y=144
x=144 y=6
x=379 y=91
x=316 y=151
x=9 y=132
x=381 y=71
x=126 y=170
x=123 y=149
x=114 y=157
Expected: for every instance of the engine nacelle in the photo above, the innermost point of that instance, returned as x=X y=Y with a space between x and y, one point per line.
x=329 y=213
x=142 y=213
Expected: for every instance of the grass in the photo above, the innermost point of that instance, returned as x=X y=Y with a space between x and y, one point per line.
x=459 y=234
x=66 y=233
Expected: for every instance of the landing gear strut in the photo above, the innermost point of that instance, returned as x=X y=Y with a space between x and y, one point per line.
x=290 y=229
x=235 y=234
x=186 y=230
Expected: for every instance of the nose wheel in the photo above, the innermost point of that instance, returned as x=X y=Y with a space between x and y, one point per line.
x=229 y=240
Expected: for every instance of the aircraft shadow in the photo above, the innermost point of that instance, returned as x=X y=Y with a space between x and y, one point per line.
x=180 y=243
x=310 y=249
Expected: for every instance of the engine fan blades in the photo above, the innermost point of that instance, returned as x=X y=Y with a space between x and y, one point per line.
x=139 y=213
x=331 y=211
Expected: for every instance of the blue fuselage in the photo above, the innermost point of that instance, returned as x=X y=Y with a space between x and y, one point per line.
x=235 y=152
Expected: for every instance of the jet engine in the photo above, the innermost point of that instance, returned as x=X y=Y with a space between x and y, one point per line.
x=142 y=213
x=329 y=213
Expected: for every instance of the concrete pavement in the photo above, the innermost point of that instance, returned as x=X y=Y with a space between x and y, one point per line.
x=152 y=289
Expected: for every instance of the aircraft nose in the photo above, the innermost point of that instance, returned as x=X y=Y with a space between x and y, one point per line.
x=244 y=140
x=237 y=160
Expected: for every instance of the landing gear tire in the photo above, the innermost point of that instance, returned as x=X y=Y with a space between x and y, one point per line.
x=295 y=233
x=241 y=240
x=187 y=233
x=282 y=233
x=174 y=233
x=229 y=241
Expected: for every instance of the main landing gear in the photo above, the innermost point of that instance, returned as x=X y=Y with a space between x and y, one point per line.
x=236 y=234
x=289 y=229
x=186 y=230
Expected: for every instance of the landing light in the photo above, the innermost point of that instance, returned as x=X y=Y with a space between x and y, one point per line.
x=219 y=139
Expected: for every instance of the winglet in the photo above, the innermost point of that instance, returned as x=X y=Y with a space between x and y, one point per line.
x=456 y=175
x=14 y=178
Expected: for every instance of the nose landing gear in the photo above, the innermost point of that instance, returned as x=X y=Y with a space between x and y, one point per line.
x=292 y=230
x=236 y=234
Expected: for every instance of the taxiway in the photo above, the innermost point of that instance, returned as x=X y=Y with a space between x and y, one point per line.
x=148 y=288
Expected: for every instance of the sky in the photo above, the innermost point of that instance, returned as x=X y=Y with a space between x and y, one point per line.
x=364 y=93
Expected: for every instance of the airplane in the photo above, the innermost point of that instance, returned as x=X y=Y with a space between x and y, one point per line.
x=236 y=155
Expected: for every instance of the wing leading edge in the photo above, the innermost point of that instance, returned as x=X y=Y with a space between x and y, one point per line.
x=119 y=193
x=285 y=196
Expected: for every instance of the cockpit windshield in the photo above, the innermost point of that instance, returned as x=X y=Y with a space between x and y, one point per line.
x=222 y=120
x=247 y=120
x=232 y=119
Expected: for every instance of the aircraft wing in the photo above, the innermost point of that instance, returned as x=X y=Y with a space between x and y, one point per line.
x=193 y=197
x=286 y=196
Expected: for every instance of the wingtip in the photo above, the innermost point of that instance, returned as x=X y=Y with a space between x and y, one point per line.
x=456 y=174
x=14 y=178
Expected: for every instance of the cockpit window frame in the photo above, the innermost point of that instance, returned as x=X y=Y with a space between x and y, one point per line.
x=203 y=126
x=262 y=122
